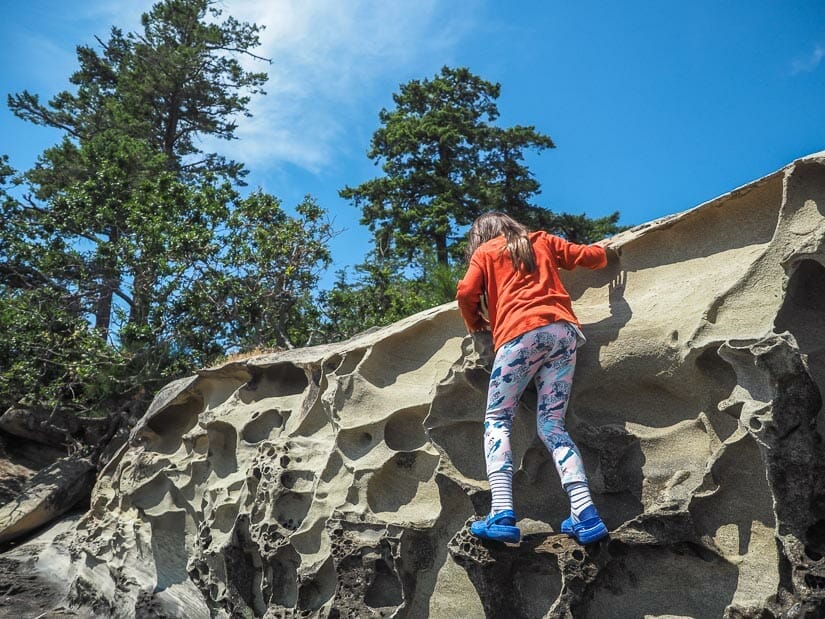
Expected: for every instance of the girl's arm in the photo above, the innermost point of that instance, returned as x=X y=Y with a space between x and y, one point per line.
x=571 y=255
x=470 y=297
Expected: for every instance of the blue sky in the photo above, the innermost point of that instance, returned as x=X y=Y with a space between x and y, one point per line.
x=654 y=106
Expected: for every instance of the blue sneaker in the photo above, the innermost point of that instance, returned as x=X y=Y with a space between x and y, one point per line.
x=500 y=527
x=588 y=529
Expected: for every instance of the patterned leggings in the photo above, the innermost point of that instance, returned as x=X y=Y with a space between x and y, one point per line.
x=547 y=354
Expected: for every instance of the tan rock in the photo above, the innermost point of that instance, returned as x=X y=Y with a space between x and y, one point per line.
x=338 y=480
x=48 y=494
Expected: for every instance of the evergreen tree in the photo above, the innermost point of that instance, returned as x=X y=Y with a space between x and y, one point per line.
x=112 y=242
x=444 y=163
x=174 y=83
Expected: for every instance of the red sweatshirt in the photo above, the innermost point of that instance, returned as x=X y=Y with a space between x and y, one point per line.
x=519 y=302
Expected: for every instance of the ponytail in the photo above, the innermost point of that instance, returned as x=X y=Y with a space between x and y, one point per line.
x=493 y=224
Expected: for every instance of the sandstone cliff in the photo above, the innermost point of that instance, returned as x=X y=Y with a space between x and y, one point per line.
x=337 y=481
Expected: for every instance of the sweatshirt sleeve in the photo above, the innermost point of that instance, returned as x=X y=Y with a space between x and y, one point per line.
x=571 y=255
x=470 y=290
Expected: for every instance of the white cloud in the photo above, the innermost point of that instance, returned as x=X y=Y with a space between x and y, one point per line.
x=810 y=62
x=332 y=62
x=50 y=38
x=49 y=64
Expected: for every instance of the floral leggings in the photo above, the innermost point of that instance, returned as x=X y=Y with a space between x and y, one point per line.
x=547 y=354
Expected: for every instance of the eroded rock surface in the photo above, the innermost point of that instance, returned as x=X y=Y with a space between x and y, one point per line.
x=338 y=481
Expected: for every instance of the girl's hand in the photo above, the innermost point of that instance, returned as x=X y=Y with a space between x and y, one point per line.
x=483 y=309
x=483 y=344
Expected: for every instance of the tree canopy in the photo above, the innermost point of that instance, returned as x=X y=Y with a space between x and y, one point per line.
x=445 y=162
x=131 y=254
x=126 y=245
x=177 y=81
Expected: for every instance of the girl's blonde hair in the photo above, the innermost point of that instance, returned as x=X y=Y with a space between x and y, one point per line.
x=493 y=224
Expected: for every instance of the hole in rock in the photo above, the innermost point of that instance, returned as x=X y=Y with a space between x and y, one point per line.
x=282 y=572
x=281 y=379
x=385 y=589
x=350 y=362
x=578 y=555
x=317 y=375
x=284 y=461
x=355 y=443
x=172 y=423
x=402 y=353
x=803 y=314
x=314 y=593
x=419 y=551
x=261 y=426
x=331 y=364
x=405 y=429
x=815 y=537
x=461 y=443
x=755 y=424
x=815 y=582
x=400 y=480
x=406 y=460
x=201 y=444
x=291 y=508
x=223 y=441
x=718 y=370
x=313 y=421
x=240 y=559
x=806 y=288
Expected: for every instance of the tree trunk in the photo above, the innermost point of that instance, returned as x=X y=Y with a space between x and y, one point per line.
x=141 y=296
x=103 y=310
x=170 y=130
x=441 y=249
x=109 y=282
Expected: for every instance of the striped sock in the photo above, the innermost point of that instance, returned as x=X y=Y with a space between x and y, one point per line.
x=501 y=487
x=579 y=494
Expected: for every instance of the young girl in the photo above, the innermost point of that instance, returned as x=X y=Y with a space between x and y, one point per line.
x=514 y=273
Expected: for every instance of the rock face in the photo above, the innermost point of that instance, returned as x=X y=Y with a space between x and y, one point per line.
x=47 y=495
x=337 y=481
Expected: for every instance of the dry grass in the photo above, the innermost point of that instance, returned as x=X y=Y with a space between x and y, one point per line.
x=248 y=354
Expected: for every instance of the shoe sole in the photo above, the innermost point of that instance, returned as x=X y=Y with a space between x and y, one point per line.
x=588 y=535
x=499 y=533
